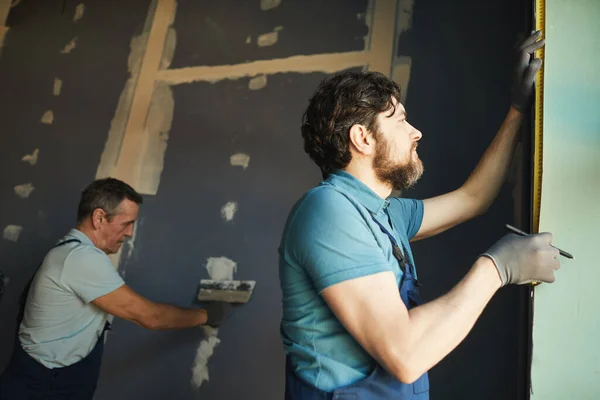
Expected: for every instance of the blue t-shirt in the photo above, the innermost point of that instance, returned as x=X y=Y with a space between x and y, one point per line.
x=60 y=325
x=330 y=237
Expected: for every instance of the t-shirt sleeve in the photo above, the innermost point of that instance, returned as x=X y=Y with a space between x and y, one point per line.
x=407 y=213
x=330 y=239
x=90 y=274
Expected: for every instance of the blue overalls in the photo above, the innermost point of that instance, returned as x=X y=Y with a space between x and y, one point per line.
x=26 y=379
x=379 y=385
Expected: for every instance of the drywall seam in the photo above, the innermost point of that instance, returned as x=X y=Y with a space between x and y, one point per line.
x=70 y=46
x=79 y=11
x=31 y=158
x=57 y=87
x=12 y=232
x=326 y=63
x=4 y=9
x=239 y=160
x=154 y=145
x=24 y=190
x=128 y=166
x=383 y=28
x=47 y=118
x=402 y=64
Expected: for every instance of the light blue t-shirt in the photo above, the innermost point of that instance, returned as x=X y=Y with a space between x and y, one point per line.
x=60 y=326
x=330 y=237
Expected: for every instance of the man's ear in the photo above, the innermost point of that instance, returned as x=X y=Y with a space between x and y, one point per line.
x=98 y=216
x=361 y=139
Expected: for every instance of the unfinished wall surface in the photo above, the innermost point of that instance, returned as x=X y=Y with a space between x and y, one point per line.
x=198 y=105
x=566 y=327
x=60 y=80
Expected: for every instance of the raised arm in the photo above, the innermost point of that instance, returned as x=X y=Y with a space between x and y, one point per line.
x=478 y=192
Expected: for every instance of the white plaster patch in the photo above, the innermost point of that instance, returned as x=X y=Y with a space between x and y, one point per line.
x=269 y=39
x=228 y=210
x=24 y=190
x=70 y=46
x=221 y=268
x=57 y=87
x=269 y=4
x=79 y=10
x=258 y=82
x=48 y=117
x=240 y=160
x=31 y=158
x=203 y=354
x=249 y=40
x=12 y=232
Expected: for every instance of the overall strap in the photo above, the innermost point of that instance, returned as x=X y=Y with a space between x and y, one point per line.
x=23 y=298
x=398 y=250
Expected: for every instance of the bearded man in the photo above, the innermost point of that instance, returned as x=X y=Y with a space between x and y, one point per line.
x=353 y=326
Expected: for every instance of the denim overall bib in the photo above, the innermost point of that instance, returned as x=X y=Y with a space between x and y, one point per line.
x=26 y=379
x=379 y=385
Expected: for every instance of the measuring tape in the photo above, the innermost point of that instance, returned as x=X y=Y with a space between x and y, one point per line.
x=538 y=128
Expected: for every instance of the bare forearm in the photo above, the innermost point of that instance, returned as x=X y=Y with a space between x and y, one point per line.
x=167 y=316
x=485 y=181
x=439 y=326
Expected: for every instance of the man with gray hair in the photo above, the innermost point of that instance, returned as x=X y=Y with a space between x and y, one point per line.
x=64 y=315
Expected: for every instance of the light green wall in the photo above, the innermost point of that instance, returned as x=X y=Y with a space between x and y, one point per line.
x=566 y=331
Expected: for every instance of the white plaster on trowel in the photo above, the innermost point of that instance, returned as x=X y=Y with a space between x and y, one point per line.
x=79 y=10
x=57 y=87
x=221 y=268
x=258 y=82
x=48 y=117
x=269 y=39
x=31 y=158
x=24 y=190
x=228 y=210
x=269 y=4
x=240 y=160
x=70 y=46
x=12 y=232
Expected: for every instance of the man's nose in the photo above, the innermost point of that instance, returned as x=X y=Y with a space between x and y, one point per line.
x=416 y=134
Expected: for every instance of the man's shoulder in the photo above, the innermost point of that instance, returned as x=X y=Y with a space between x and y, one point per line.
x=325 y=201
x=86 y=253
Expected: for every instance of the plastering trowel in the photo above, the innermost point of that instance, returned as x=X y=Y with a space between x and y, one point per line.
x=227 y=291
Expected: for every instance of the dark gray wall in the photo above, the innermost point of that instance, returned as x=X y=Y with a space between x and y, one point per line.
x=463 y=58
x=462 y=64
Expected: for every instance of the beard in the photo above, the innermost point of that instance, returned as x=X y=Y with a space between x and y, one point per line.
x=399 y=175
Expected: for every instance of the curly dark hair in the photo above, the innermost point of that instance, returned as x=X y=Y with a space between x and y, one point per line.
x=106 y=194
x=341 y=101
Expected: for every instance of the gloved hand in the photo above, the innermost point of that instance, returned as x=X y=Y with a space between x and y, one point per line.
x=524 y=259
x=525 y=71
x=217 y=312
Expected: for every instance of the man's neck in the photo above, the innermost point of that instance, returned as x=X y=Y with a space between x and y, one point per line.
x=368 y=177
x=89 y=232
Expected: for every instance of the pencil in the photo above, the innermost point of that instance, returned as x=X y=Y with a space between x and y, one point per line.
x=520 y=232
